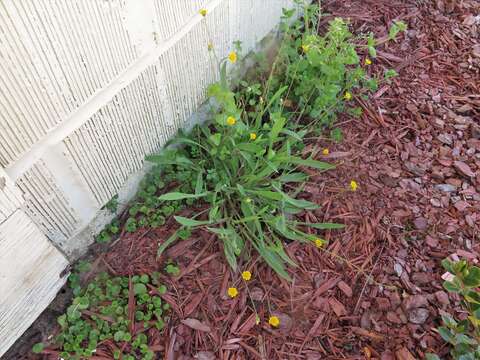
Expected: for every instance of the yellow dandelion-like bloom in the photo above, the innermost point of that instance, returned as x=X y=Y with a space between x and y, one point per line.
x=353 y=185
x=232 y=57
x=368 y=61
x=203 y=12
x=347 y=96
x=231 y=121
x=232 y=292
x=274 y=321
x=305 y=48
x=325 y=151
x=210 y=46
x=246 y=275
x=318 y=242
x=253 y=136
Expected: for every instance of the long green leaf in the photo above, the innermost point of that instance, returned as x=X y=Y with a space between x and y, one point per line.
x=293 y=177
x=167 y=243
x=299 y=203
x=190 y=222
x=199 y=184
x=272 y=259
x=278 y=124
x=274 y=98
x=324 y=226
x=229 y=251
x=172 y=196
x=270 y=195
x=305 y=162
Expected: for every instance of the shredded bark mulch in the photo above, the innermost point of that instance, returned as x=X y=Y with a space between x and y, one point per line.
x=375 y=291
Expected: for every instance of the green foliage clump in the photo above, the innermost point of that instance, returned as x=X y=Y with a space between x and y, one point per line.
x=246 y=165
x=100 y=312
x=463 y=335
x=248 y=158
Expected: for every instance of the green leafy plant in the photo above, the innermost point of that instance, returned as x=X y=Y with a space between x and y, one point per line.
x=396 y=28
x=172 y=269
x=244 y=169
x=463 y=335
x=38 y=348
x=248 y=156
x=112 y=204
x=100 y=312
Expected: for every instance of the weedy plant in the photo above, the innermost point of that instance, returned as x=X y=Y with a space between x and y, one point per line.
x=248 y=159
x=463 y=335
x=122 y=311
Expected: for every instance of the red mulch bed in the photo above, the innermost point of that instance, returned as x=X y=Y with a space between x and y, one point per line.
x=375 y=292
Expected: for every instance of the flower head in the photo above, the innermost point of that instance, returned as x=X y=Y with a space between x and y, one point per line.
x=353 y=185
x=347 y=96
x=246 y=275
x=305 y=48
x=253 y=136
x=232 y=292
x=318 y=242
x=368 y=61
x=210 y=46
x=203 y=12
x=274 y=321
x=231 y=121
x=325 y=151
x=248 y=200
x=232 y=57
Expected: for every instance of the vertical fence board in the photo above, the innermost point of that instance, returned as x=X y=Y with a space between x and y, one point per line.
x=29 y=276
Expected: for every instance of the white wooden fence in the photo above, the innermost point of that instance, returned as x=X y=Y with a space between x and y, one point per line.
x=88 y=88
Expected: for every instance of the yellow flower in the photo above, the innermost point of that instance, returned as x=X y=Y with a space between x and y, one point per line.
x=353 y=185
x=232 y=292
x=203 y=12
x=246 y=275
x=231 y=121
x=305 y=48
x=274 y=321
x=347 y=96
x=248 y=200
x=232 y=57
x=368 y=61
x=210 y=46
x=318 y=242
x=253 y=136
x=325 y=151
